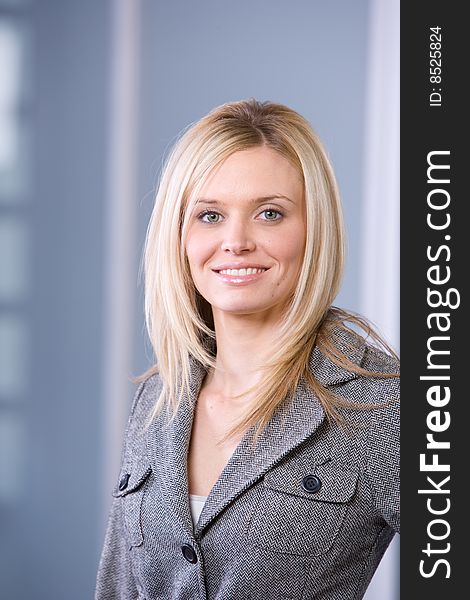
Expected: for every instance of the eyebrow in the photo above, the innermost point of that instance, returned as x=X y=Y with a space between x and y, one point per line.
x=259 y=200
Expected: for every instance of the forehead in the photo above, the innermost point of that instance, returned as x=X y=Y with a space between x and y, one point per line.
x=259 y=171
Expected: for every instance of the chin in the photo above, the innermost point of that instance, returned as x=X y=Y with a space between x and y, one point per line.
x=237 y=310
x=245 y=309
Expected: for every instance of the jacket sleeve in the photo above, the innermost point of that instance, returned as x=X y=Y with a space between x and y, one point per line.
x=383 y=461
x=115 y=579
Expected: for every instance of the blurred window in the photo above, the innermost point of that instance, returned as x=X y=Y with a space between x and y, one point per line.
x=15 y=273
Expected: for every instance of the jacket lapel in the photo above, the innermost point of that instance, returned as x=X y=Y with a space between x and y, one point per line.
x=291 y=424
x=168 y=443
x=288 y=428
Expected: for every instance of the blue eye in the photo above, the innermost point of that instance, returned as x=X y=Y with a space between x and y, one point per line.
x=271 y=214
x=209 y=214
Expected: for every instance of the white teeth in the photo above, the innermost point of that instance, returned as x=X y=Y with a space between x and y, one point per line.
x=241 y=272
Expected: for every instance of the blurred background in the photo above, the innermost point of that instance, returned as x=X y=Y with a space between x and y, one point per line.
x=92 y=95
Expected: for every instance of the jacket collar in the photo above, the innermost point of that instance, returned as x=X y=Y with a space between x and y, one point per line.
x=291 y=424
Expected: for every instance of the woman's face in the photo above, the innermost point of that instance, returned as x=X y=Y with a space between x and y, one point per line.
x=247 y=232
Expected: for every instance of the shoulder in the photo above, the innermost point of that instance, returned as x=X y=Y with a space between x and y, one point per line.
x=376 y=360
x=143 y=405
x=134 y=454
x=373 y=386
x=353 y=366
x=384 y=372
x=145 y=394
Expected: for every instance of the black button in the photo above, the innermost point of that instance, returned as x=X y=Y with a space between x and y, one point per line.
x=124 y=481
x=188 y=553
x=311 y=484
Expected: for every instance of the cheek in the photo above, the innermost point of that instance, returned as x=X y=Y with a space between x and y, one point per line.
x=291 y=249
x=197 y=249
x=295 y=250
x=192 y=247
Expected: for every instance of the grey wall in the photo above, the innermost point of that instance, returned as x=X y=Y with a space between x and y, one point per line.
x=48 y=531
x=308 y=54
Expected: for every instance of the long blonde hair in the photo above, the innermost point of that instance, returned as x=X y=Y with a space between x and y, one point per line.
x=178 y=319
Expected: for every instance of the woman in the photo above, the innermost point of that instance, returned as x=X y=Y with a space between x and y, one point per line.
x=261 y=454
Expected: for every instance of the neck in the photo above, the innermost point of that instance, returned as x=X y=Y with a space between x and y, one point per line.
x=244 y=344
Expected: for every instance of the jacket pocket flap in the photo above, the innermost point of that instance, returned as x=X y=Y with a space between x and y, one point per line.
x=328 y=482
x=131 y=478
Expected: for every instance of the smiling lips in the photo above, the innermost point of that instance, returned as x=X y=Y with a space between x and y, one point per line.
x=243 y=275
x=248 y=271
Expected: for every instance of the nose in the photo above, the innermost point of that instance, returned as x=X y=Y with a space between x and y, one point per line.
x=237 y=237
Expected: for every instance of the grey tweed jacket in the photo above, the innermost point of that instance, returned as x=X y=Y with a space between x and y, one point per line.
x=305 y=514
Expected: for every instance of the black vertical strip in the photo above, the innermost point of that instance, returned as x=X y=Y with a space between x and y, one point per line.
x=435 y=260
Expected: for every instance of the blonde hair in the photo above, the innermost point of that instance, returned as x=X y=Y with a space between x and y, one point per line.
x=178 y=319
